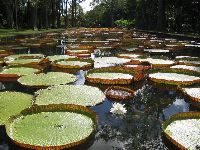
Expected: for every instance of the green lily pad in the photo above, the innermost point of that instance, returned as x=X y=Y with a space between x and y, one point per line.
x=70 y=94
x=45 y=80
x=59 y=57
x=73 y=64
x=24 y=56
x=21 y=71
x=52 y=126
x=24 y=62
x=12 y=103
x=186 y=67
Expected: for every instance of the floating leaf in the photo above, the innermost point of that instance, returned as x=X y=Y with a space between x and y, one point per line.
x=52 y=126
x=12 y=103
x=183 y=130
x=45 y=80
x=70 y=94
x=174 y=78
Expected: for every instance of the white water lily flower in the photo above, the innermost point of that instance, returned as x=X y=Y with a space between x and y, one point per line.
x=118 y=109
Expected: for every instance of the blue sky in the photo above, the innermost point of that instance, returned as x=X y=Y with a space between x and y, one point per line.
x=86 y=5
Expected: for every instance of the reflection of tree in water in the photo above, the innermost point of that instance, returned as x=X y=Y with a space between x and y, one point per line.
x=133 y=131
x=153 y=101
x=140 y=128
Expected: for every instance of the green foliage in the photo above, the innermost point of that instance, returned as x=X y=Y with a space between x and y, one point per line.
x=125 y=23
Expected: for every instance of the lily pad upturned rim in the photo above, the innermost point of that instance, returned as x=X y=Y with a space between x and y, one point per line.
x=179 y=116
x=118 y=98
x=54 y=108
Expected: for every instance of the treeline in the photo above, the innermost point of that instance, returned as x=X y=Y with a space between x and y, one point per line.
x=40 y=13
x=162 y=15
x=181 y=16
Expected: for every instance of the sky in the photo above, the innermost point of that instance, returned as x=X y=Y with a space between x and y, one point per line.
x=86 y=5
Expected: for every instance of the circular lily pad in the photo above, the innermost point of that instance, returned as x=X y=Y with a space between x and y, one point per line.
x=45 y=80
x=193 y=93
x=12 y=74
x=118 y=93
x=12 y=103
x=110 y=75
x=174 y=78
x=70 y=94
x=156 y=50
x=128 y=55
x=183 y=130
x=111 y=60
x=190 y=63
x=59 y=57
x=187 y=68
x=52 y=126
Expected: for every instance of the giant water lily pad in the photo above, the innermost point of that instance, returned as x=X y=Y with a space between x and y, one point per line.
x=52 y=126
x=70 y=94
x=12 y=103
x=112 y=75
x=183 y=130
x=187 y=68
x=111 y=60
x=12 y=74
x=24 y=56
x=188 y=62
x=128 y=55
x=20 y=71
x=193 y=93
x=26 y=62
x=173 y=78
x=59 y=57
x=45 y=80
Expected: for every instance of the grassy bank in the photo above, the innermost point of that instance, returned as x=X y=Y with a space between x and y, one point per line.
x=13 y=32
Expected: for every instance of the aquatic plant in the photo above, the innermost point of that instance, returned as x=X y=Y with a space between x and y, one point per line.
x=44 y=80
x=118 y=108
x=13 y=103
x=183 y=130
x=52 y=126
x=70 y=94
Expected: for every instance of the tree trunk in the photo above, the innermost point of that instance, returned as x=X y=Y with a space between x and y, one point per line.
x=72 y=14
x=35 y=17
x=75 y=13
x=16 y=14
x=66 y=14
x=58 y=13
x=161 y=15
x=53 y=14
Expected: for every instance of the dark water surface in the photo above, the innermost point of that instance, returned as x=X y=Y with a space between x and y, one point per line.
x=139 y=129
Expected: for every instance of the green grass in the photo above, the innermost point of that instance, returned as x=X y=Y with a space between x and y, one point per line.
x=13 y=32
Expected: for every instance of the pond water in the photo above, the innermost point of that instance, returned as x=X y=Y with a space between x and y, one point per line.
x=140 y=128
